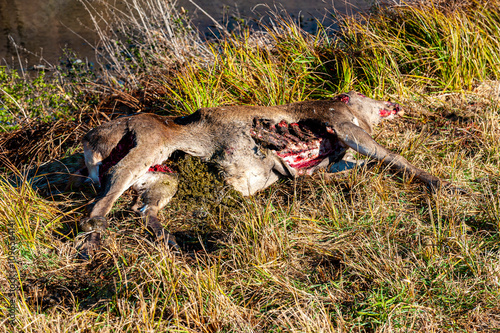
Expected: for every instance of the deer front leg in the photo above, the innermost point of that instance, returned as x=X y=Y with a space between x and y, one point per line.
x=94 y=226
x=118 y=179
x=96 y=223
x=357 y=139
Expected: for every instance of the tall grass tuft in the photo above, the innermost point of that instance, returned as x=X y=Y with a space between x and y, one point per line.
x=148 y=34
x=32 y=218
x=425 y=45
x=246 y=71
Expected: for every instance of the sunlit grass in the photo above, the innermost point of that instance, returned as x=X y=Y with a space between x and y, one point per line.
x=32 y=218
x=241 y=71
x=427 y=45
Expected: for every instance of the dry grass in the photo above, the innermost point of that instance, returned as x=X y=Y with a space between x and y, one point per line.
x=364 y=251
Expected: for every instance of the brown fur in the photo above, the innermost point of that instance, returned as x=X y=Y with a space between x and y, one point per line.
x=240 y=139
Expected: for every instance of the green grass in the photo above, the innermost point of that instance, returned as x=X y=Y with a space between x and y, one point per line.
x=242 y=71
x=362 y=251
x=32 y=218
x=426 y=46
x=37 y=98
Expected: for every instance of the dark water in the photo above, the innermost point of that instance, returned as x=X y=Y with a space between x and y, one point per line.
x=42 y=28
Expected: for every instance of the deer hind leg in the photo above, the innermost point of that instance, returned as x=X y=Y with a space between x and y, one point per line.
x=156 y=189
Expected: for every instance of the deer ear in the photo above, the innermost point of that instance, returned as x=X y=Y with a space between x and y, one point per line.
x=344 y=98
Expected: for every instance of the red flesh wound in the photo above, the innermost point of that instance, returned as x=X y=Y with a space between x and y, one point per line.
x=344 y=98
x=305 y=156
x=386 y=113
x=304 y=147
x=160 y=168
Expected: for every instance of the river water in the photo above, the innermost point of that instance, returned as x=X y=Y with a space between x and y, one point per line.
x=42 y=28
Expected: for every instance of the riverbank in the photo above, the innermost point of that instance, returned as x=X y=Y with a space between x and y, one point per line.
x=363 y=251
x=35 y=33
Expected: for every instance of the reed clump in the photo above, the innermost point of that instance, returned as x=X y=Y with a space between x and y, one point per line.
x=425 y=46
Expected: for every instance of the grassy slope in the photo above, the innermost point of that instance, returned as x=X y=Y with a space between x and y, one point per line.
x=363 y=251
